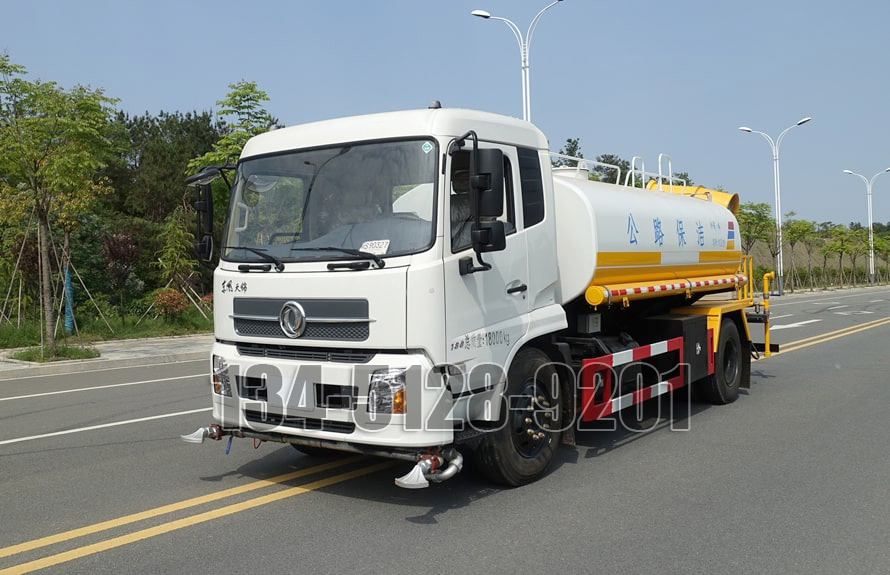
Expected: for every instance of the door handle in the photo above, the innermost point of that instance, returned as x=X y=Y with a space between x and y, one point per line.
x=518 y=289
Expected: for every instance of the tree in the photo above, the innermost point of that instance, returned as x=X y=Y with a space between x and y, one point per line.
x=838 y=245
x=176 y=258
x=611 y=175
x=121 y=250
x=153 y=160
x=882 y=249
x=53 y=145
x=796 y=231
x=243 y=104
x=572 y=148
x=858 y=246
x=683 y=176
x=755 y=224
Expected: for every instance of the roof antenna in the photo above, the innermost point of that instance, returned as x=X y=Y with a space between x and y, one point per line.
x=434 y=105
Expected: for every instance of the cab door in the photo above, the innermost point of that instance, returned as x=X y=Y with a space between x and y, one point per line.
x=486 y=312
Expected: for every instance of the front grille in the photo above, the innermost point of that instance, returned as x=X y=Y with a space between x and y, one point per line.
x=331 y=331
x=330 y=319
x=305 y=423
x=304 y=354
x=258 y=328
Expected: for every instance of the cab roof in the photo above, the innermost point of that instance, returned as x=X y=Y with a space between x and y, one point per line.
x=446 y=122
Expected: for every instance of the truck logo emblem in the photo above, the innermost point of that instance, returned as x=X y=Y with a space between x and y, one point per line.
x=292 y=319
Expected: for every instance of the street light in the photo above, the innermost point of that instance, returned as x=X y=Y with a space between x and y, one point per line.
x=523 y=51
x=774 y=145
x=871 y=233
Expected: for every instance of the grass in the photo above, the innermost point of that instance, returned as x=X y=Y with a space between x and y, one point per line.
x=94 y=330
x=63 y=352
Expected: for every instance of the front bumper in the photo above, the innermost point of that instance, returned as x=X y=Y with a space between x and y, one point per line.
x=328 y=400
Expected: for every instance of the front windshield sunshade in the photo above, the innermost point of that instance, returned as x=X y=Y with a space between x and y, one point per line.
x=376 y=198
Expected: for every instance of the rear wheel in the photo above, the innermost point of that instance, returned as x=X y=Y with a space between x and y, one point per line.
x=520 y=451
x=723 y=386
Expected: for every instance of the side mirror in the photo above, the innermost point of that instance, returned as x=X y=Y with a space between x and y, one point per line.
x=204 y=210
x=205 y=176
x=487 y=182
x=204 y=248
x=204 y=221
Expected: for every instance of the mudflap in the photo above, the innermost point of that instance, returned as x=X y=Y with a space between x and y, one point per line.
x=746 y=364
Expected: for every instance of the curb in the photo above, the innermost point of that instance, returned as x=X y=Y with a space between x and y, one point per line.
x=194 y=345
x=80 y=365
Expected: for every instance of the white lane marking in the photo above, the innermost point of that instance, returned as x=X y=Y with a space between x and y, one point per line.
x=781 y=303
x=876 y=301
x=99 y=387
x=856 y=312
x=790 y=325
x=772 y=317
x=836 y=307
x=103 y=426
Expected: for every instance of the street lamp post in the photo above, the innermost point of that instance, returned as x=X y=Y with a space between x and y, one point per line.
x=871 y=233
x=524 y=44
x=774 y=146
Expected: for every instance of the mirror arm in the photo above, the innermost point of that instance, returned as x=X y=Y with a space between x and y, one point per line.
x=465 y=265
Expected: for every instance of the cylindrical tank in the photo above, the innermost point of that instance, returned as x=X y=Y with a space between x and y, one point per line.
x=609 y=235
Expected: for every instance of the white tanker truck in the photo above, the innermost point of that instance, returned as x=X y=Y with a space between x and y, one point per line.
x=410 y=283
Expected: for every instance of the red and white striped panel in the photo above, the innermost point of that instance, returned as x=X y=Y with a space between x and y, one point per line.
x=720 y=281
x=590 y=410
x=678 y=286
x=649 y=289
x=638 y=353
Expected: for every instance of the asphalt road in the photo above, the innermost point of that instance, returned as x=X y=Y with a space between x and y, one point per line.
x=792 y=478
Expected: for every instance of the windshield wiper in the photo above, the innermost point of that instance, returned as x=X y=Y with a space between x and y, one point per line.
x=359 y=253
x=316 y=171
x=279 y=265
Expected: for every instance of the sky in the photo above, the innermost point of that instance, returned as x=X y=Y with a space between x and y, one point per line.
x=628 y=77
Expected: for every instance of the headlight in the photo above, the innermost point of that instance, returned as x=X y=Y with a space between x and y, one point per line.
x=221 y=381
x=386 y=391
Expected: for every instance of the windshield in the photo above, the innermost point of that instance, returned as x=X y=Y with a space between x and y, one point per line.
x=331 y=203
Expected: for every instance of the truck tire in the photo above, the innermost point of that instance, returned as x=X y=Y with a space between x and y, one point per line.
x=723 y=386
x=521 y=450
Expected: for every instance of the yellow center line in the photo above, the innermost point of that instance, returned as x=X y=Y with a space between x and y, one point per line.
x=114 y=542
x=836 y=336
x=185 y=504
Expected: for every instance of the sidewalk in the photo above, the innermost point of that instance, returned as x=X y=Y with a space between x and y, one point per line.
x=119 y=353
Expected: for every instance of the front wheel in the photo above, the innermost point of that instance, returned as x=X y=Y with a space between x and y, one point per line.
x=723 y=386
x=521 y=450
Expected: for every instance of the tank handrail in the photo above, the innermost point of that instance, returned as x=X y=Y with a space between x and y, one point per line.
x=661 y=158
x=630 y=176
x=653 y=177
x=670 y=172
x=629 y=179
x=586 y=162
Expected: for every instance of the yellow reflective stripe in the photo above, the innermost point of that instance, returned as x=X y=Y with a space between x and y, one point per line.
x=624 y=259
x=721 y=256
x=608 y=276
